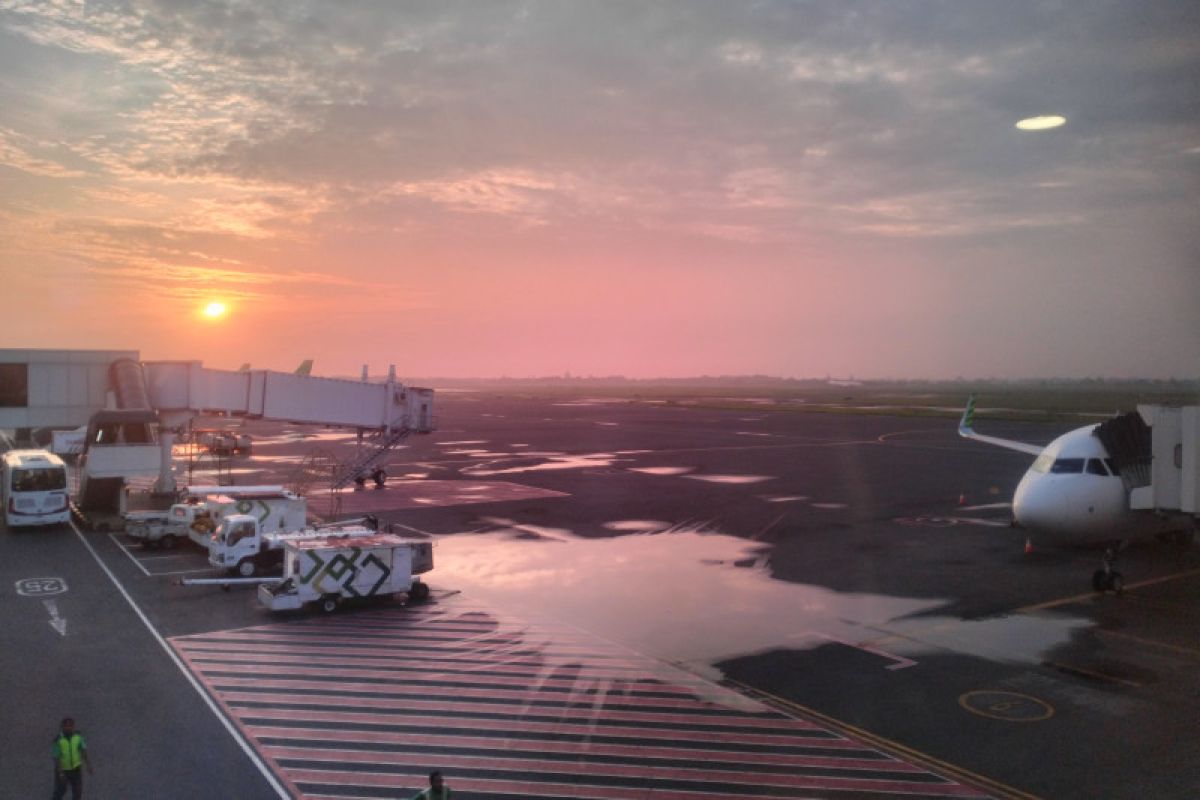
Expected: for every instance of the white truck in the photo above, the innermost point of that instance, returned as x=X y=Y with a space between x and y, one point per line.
x=241 y=544
x=328 y=572
x=203 y=507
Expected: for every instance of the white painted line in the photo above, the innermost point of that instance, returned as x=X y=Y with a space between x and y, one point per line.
x=185 y=571
x=900 y=662
x=410 y=528
x=176 y=555
x=123 y=550
x=57 y=622
x=237 y=736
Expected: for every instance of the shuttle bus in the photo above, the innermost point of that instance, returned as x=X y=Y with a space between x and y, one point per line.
x=34 y=489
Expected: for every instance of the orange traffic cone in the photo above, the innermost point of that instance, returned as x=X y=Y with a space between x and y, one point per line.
x=1028 y=546
x=962 y=499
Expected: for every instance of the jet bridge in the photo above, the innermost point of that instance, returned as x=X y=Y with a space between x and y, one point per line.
x=64 y=389
x=1174 y=461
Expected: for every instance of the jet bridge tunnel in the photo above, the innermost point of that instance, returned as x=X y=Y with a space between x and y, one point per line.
x=116 y=395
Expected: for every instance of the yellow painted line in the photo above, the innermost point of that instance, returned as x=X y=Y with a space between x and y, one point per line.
x=995 y=712
x=1152 y=581
x=1103 y=676
x=1079 y=598
x=1062 y=601
x=1192 y=651
x=903 y=752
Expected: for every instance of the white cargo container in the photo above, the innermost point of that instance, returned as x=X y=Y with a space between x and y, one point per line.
x=241 y=545
x=328 y=572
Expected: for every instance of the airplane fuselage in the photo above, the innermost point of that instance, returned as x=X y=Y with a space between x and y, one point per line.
x=1072 y=494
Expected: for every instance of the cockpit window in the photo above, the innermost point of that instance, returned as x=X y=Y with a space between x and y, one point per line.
x=1112 y=466
x=1095 y=466
x=1043 y=462
x=1067 y=465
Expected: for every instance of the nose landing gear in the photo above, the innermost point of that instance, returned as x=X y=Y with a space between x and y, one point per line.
x=1107 y=579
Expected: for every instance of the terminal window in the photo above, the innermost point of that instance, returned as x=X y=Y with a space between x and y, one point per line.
x=14 y=385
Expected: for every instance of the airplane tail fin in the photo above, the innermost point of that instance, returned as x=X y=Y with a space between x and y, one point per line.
x=305 y=367
x=244 y=367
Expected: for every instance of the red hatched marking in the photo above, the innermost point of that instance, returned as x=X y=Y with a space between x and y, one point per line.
x=526 y=726
x=476 y=693
x=528 y=787
x=585 y=696
x=588 y=747
x=580 y=767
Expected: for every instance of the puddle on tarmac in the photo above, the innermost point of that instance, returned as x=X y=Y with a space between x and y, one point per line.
x=696 y=597
x=637 y=525
x=731 y=478
x=462 y=441
x=752 y=433
x=662 y=470
x=609 y=424
x=590 y=461
x=783 y=498
x=828 y=506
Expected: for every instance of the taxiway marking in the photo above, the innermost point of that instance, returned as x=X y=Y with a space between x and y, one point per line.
x=1087 y=596
x=533 y=709
x=124 y=550
x=1191 y=651
x=918 y=757
x=195 y=684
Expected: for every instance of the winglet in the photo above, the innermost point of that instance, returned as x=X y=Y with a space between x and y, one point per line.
x=305 y=367
x=967 y=423
x=967 y=431
x=244 y=367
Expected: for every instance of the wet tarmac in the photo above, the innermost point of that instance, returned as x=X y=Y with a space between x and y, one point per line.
x=854 y=571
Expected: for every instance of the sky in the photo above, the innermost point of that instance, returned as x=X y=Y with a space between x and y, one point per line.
x=652 y=189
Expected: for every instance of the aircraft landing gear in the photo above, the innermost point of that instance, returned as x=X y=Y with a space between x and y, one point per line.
x=1107 y=579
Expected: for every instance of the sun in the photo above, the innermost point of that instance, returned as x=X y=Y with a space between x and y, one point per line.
x=214 y=310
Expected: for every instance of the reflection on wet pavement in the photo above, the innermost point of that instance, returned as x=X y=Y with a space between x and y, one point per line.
x=590 y=461
x=671 y=595
x=644 y=525
x=662 y=470
x=734 y=479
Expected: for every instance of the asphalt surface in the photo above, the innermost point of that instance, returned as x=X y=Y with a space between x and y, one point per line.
x=853 y=572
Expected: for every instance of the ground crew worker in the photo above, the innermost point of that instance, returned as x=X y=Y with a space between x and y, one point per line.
x=437 y=789
x=70 y=756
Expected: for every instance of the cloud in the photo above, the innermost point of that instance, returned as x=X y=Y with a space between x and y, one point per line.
x=15 y=152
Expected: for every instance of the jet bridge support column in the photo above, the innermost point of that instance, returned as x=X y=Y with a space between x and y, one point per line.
x=169 y=424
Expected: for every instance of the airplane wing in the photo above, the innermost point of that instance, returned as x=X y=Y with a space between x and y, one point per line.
x=967 y=432
x=305 y=367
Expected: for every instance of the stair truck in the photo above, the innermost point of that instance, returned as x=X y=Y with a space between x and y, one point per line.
x=241 y=543
x=203 y=507
x=332 y=571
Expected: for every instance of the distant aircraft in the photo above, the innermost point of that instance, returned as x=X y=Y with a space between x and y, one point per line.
x=305 y=367
x=1073 y=494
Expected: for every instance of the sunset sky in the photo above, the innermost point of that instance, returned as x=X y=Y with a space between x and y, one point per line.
x=638 y=188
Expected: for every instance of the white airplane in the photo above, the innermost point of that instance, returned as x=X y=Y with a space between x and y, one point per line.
x=1073 y=494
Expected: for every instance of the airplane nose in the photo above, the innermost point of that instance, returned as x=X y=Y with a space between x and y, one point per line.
x=1033 y=507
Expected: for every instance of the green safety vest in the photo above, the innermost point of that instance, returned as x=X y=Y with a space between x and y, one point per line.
x=69 y=752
